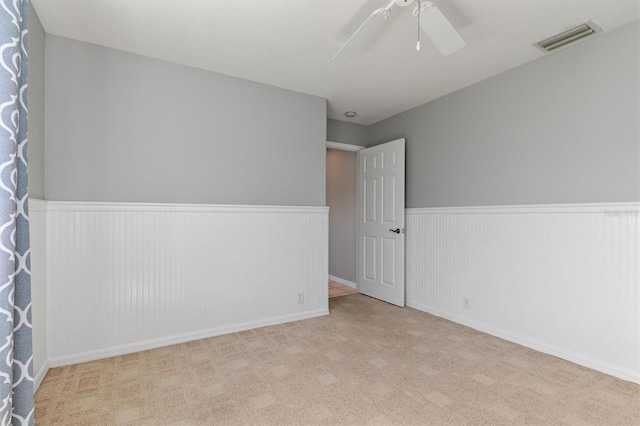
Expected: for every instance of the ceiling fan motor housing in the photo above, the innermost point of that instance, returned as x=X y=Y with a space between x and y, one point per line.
x=403 y=3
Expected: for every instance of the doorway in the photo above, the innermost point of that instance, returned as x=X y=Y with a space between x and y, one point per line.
x=341 y=196
x=366 y=199
x=337 y=289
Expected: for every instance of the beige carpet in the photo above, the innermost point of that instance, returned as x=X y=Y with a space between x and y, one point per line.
x=366 y=363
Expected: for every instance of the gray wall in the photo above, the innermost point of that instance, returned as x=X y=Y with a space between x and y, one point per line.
x=351 y=133
x=35 y=153
x=35 y=104
x=122 y=127
x=562 y=129
x=341 y=198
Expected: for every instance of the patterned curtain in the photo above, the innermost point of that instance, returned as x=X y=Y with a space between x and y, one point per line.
x=16 y=355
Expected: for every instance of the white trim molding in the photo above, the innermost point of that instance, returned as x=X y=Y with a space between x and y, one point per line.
x=38 y=205
x=344 y=146
x=629 y=208
x=41 y=373
x=91 y=206
x=561 y=279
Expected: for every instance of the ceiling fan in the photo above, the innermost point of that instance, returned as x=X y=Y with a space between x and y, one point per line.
x=429 y=18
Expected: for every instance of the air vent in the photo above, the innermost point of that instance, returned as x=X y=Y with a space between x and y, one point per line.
x=568 y=36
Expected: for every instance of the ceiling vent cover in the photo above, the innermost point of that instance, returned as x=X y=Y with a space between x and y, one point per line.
x=568 y=36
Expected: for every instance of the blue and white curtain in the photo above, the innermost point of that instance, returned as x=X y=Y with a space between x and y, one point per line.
x=16 y=355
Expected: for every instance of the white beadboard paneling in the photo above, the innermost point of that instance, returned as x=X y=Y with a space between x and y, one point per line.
x=126 y=277
x=562 y=279
x=38 y=243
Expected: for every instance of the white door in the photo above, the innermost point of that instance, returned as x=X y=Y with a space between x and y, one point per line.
x=381 y=222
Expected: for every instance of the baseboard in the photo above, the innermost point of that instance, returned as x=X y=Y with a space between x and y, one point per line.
x=532 y=344
x=181 y=338
x=40 y=375
x=343 y=281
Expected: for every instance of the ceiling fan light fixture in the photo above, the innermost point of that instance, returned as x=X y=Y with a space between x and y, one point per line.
x=350 y=114
x=568 y=36
x=430 y=20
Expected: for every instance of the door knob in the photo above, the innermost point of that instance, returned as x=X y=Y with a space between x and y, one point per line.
x=397 y=230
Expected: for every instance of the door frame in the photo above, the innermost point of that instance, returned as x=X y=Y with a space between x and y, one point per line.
x=344 y=146
x=350 y=148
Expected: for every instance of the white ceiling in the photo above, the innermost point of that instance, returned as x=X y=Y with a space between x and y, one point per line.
x=289 y=43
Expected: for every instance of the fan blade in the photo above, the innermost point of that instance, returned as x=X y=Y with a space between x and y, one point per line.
x=365 y=31
x=440 y=31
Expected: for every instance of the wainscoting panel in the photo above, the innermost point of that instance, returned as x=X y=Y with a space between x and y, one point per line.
x=127 y=277
x=562 y=279
x=38 y=234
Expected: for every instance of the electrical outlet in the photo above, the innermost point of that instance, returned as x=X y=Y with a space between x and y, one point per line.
x=466 y=302
x=300 y=298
